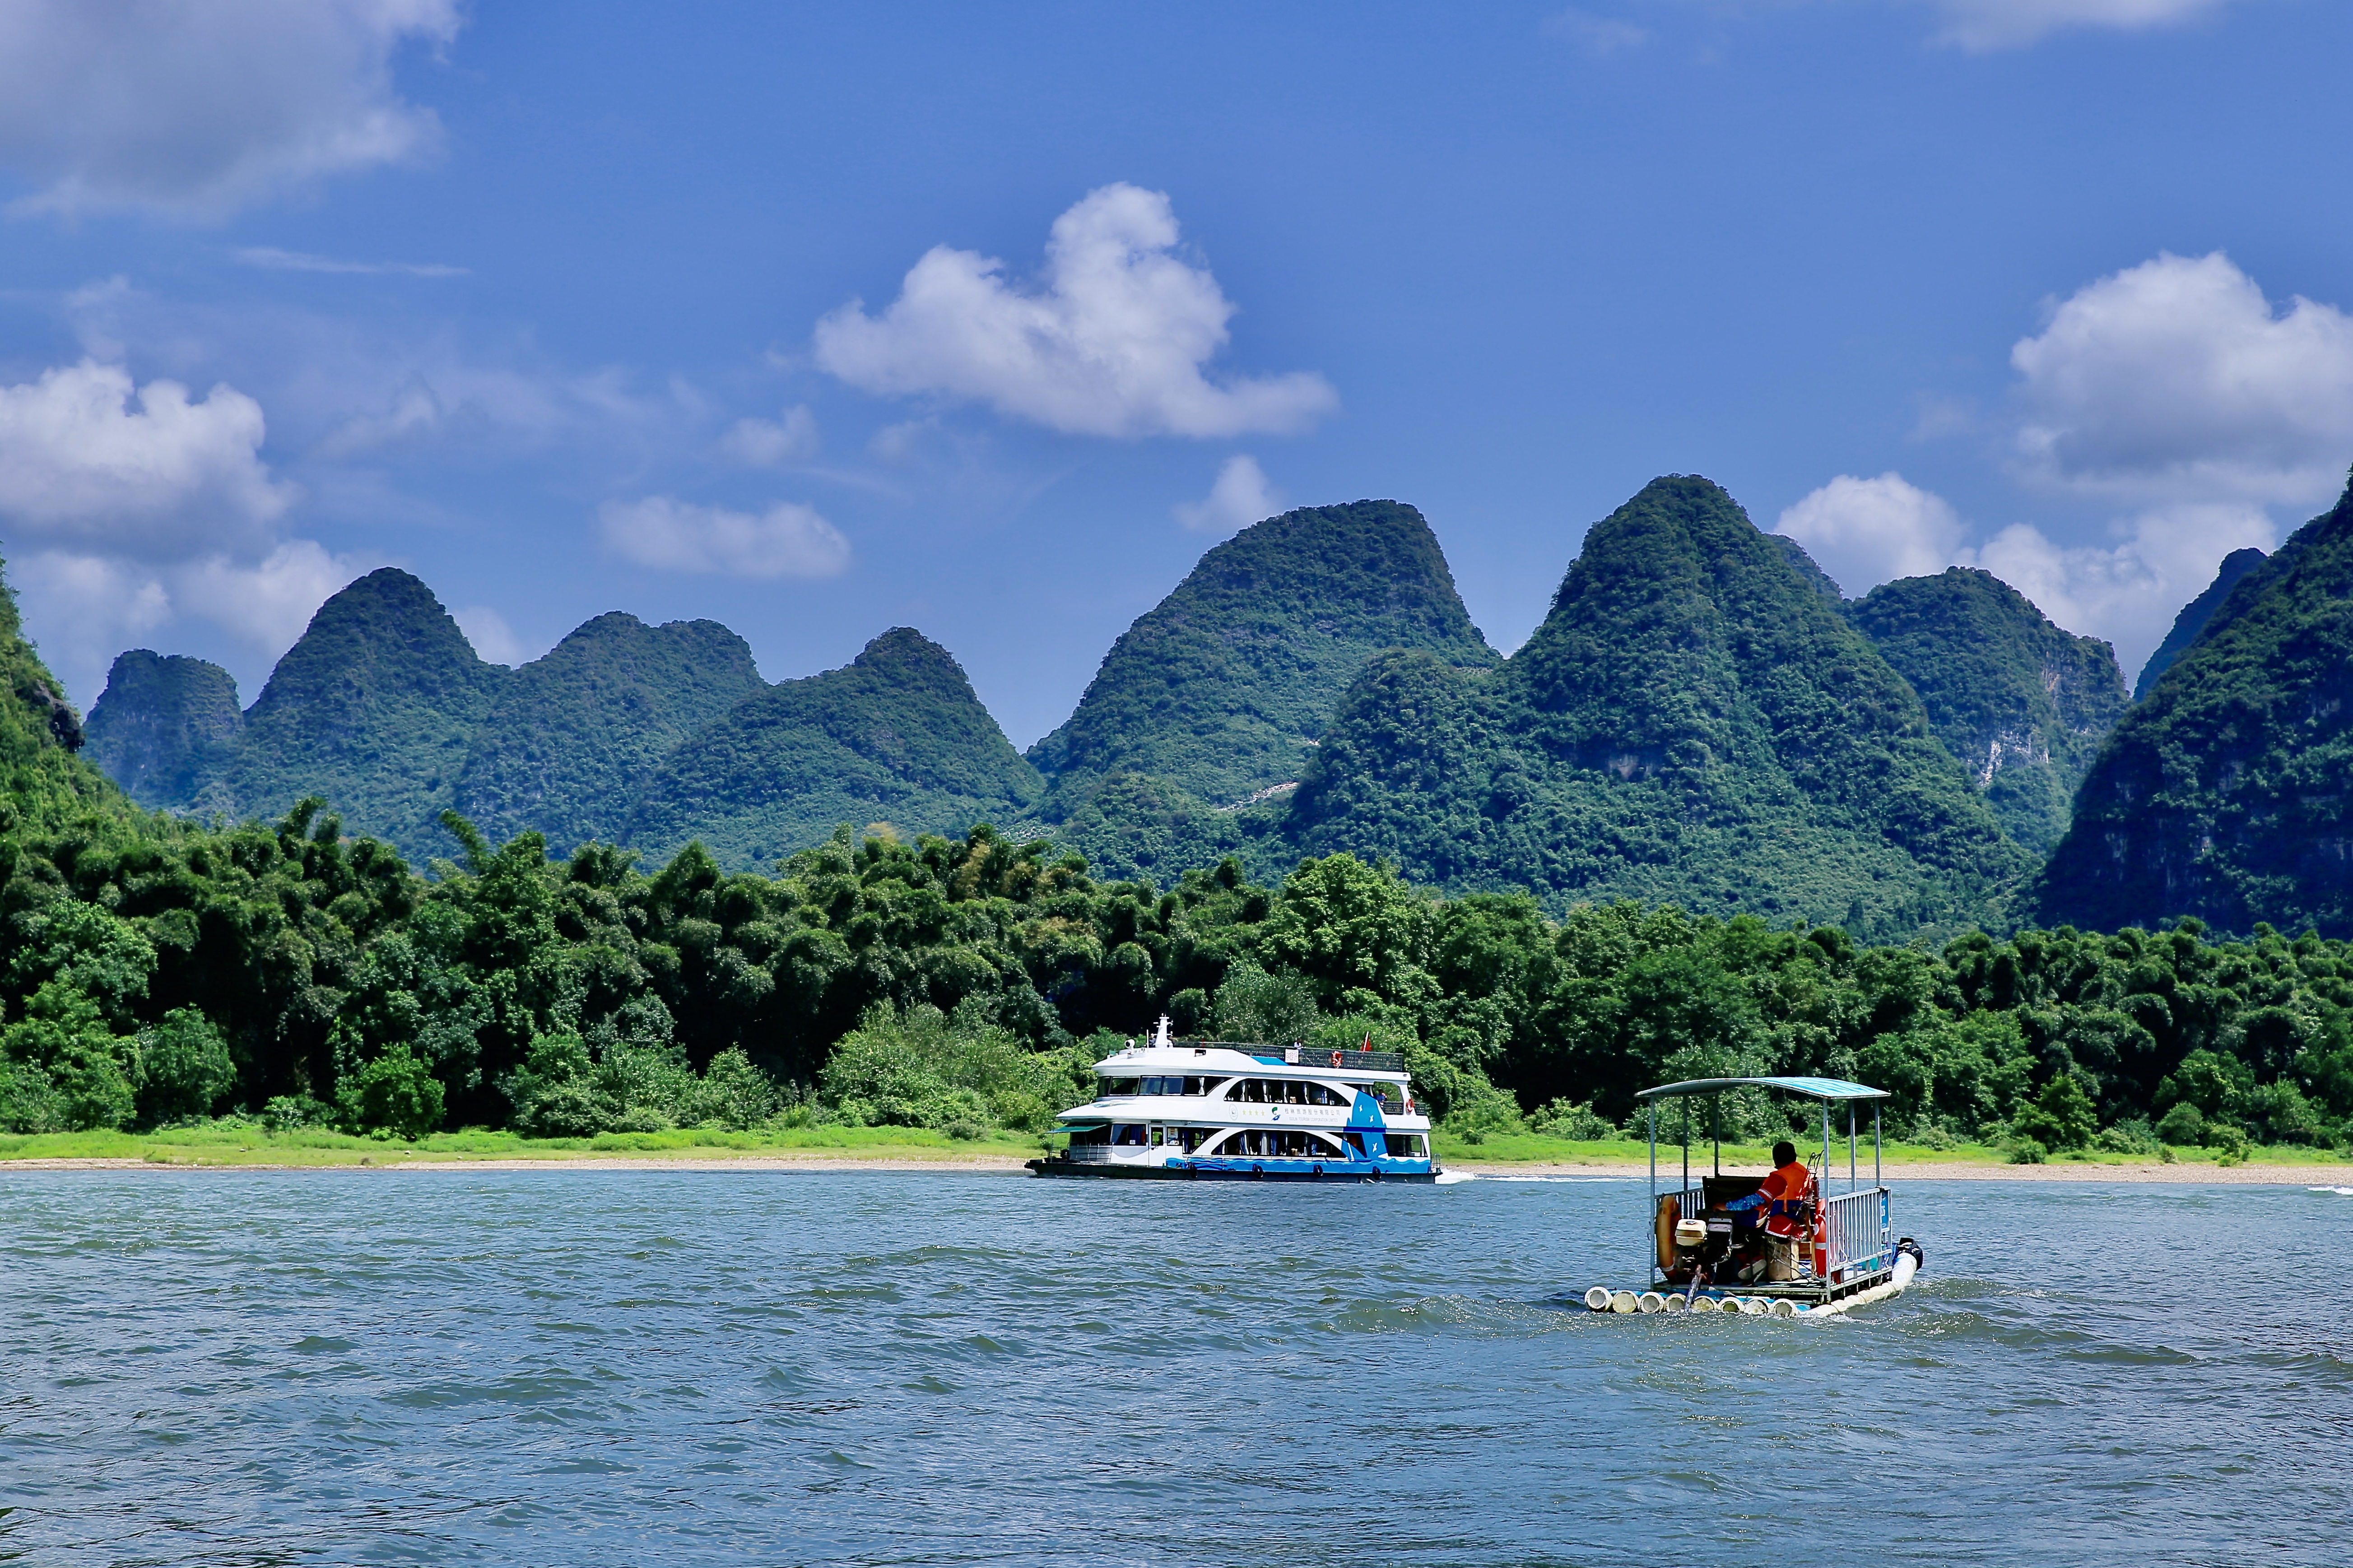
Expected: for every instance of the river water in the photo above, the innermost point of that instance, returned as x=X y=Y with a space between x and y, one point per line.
x=646 y=1367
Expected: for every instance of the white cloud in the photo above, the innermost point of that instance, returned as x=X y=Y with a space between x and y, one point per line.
x=1864 y=532
x=488 y=632
x=271 y=258
x=199 y=107
x=1982 y=26
x=772 y=442
x=1112 y=343
x=1594 y=34
x=266 y=603
x=89 y=462
x=124 y=508
x=2128 y=592
x=2176 y=381
x=787 y=541
x=83 y=608
x=1239 y=498
x=901 y=445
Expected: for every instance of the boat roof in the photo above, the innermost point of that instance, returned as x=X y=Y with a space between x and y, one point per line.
x=1812 y=1087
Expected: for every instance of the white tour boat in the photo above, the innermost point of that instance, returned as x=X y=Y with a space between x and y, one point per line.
x=1215 y=1110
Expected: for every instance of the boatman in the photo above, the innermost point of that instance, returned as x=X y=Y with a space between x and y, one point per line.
x=1783 y=1197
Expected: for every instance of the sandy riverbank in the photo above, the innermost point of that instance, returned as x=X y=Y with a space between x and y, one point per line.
x=2315 y=1175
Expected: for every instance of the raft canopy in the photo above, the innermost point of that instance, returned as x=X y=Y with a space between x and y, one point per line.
x=1823 y=1088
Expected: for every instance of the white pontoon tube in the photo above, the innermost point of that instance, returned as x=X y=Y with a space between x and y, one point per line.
x=1908 y=1258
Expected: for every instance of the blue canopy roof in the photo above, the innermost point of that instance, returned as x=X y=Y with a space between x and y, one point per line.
x=1812 y=1087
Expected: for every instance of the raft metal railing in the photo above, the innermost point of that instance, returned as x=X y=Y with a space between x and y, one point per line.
x=1855 y=1228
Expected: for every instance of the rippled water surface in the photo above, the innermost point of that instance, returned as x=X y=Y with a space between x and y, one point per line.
x=643 y=1367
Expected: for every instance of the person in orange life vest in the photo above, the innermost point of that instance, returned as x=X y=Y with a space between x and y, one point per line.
x=1781 y=1195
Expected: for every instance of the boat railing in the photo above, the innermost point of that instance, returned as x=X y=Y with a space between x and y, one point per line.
x=1307 y=1056
x=1091 y=1153
x=1854 y=1227
x=1855 y=1224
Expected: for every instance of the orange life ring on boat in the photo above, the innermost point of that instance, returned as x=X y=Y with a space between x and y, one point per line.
x=1335 y=1058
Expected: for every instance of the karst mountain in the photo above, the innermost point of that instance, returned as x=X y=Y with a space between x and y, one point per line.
x=1215 y=700
x=2223 y=795
x=1700 y=718
x=1694 y=721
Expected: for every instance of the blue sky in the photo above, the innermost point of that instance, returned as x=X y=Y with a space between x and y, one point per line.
x=691 y=311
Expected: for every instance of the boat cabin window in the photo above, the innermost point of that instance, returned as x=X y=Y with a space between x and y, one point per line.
x=1172 y=1085
x=1387 y=1093
x=1279 y=1143
x=1127 y=1134
x=1406 y=1146
x=1090 y=1135
x=1283 y=1091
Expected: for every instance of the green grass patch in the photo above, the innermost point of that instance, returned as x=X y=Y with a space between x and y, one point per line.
x=234 y=1143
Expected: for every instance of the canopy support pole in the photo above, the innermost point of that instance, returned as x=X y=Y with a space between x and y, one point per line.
x=1654 y=1188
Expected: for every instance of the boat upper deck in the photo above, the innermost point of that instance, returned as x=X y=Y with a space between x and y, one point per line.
x=1227 y=1058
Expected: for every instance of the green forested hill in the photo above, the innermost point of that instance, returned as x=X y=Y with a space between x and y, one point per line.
x=161 y=723
x=1694 y=721
x=897 y=736
x=2224 y=793
x=2194 y=616
x=373 y=709
x=568 y=747
x=2021 y=703
x=46 y=785
x=1216 y=696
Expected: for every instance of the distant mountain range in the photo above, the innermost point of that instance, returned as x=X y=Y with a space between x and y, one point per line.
x=1700 y=719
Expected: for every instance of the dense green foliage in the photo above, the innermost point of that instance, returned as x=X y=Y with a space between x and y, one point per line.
x=896 y=738
x=162 y=723
x=2223 y=793
x=2021 y=703
x=1214 y=700
x=2191 y=621
x=1695 y=722
x=566 y=751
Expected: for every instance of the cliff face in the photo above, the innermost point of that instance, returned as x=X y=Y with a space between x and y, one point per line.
x=2193 y=618
x=2021 y=703
x=1695 y=720
x=2224 y=794
x=162 y=724
x=897 y=737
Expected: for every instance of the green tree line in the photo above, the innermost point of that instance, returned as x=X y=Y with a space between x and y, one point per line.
x=157 y=970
